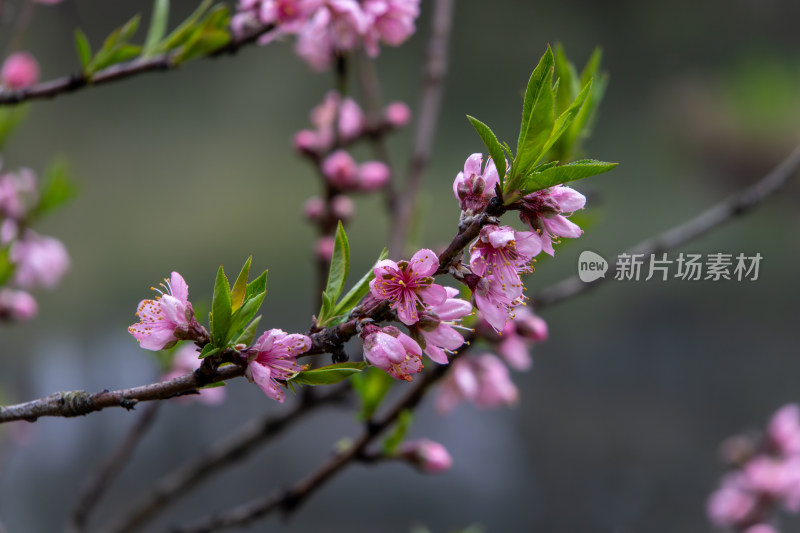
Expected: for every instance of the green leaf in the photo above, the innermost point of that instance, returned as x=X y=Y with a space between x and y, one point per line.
x=203 y=43
x=327 y=375
x=83 y=48
x=569 y=87
x=584 y=168
x=396 y=437
x=357 y=293
x=6 y=266
x=245 y=313
x=158 y=27
x=56 y=189
x=337 y=274
x=209 y=350
x=371 y=386
x=240 y=285
x=130 y=27
x=220 y=310
x=257 y=286
x=249 y=334
x=184 y=31
x=565 y=119
x=492 y=145
x=538 y=115
x=213 y=385
x=10 y=119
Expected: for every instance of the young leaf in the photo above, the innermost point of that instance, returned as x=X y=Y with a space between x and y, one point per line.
x=257 y=286
x=10 y=118
x=400 y=429
x=565 y=119
x=584 y=168
x=245 y=313
x=340 y=265
x=83 y=48
x=357 y=293
x=209 y=350
x=184 y=31
x=130 y=27
x=249 y=334
x=327 y=375
x=6 y=266
x=565 y=72
x=492 y=145
x=538 y=114
x=372 y=386
x=240 y=285
x=220 y=309
x=158 y=27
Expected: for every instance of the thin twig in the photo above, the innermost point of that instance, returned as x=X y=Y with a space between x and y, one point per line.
x=710 y=219
x=127 y=69
x=233 y=449
x=94 y=490
x=427 y=123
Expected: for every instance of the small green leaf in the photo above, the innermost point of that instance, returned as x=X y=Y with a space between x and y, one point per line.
x=569 y=86
x=257 y=286
x=584 y=168
x=158 y=27
x=357 y=293
x=565 y=119
x=130 y=27
x=372 y=386
x=83 y=48
x=538 y=115
x=203 y=43
x=184 y=31
x=337 y=274
x=208 y=351
x=245 y=313
x=220 y=309
x=213 y=385
x=327 y=375
x=396 y=437
x=10 y=119
x=56 y=189
x=249 y=334
x=240 y=285
x=492 y=145
x=6 y=266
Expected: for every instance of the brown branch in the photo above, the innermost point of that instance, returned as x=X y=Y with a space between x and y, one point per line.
x=127 y=69
x=427 y=123
x=738 y=204
x=79 y=403
x=94 y=490
x=226 y=453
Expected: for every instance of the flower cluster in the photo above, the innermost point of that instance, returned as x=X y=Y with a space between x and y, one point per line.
x=765 y=475
x=36 y=260
x=326 y=29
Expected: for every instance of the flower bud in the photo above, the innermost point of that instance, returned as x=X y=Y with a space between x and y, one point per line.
x=397 y=114
x=341 y=170
x=373 y=175
x=314 y=208
x=20 y=70
x=427 y=455
x=17 y=305
x=342 y=207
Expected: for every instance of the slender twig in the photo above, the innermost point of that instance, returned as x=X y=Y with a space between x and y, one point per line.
x=290 y=500
x=233 y=449
x=127 y=69
x=97 y=485
x=710 y=219
x=427 y=123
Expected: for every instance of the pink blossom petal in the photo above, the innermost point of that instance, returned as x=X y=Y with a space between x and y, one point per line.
x=262 y=376
x=561 y=226
x=528 y=243
x=500 y=237
x=180 y=289
x=568 y=199
x=453 y=309
x=424 y=263
x=433 y=295
x=444 y=336
x=515 y=352
x=473 y=165
x=436 y=354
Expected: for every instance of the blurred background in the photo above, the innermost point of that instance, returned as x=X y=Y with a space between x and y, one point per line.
x=618 y=424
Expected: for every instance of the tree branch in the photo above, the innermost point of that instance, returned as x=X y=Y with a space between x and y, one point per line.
x=738 y=204
x=127 y=69
x=427 y=123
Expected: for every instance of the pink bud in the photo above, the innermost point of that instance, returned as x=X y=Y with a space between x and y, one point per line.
x=372 y=175
x=314 y=208
x=20 y=70
x=351 y=119
x=342 y=207
x=17 y=305
x=305 y=141
x=324 y=248
x=341 y=170
x=397 y=114
x=427 y=455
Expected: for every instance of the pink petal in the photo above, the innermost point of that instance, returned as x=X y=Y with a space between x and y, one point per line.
x=180 y=289
x=568 y=199
x=391 y=347
x=494 y=314
x=262 y=376
x=559 y=225
x=515 y=352
x=444 y=336
x=473 y=165
x=407 y=311
x=528 y=243
x=436 y=354
x=501 y=236
x=453 y=309
x=433 y=295
x=424 y=263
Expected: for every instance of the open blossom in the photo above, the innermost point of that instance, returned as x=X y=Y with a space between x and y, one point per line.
x=501 y=253
x=390 y=21
x=438 y=323
x=544 y=211
x=497 y=303
x=20 y=70
x=518 y=334
x=475 y=187
x=288 y=16
x=482 y=380
x=408 y=285
x=274 y=357
x=392 y=351
x=40 y=261
x=427 y=455
x=185 y=360
x=166 y=319
x=17 y=305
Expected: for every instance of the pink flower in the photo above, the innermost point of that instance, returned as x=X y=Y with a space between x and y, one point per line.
x=392 y=351
x=408 y=285
x=334 y=28
x=41 y=261
x=784 y=429
x=18 y=193
x=437 y=326
x=482 y=380
x=516 y=337
x=731 y=503
x=341 y=170
x=166 y=319
x=544 y=212
x=427 y=455
x=501 y=254
x=20 y=70
x=474 y=188
x=17 y=305
x=495 y=301
x=390 y=21
x=185 y=360
x=274 y=357
x=397 y=114
x=372 y=175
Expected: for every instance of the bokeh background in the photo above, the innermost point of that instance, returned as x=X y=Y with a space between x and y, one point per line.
x=618 y=424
